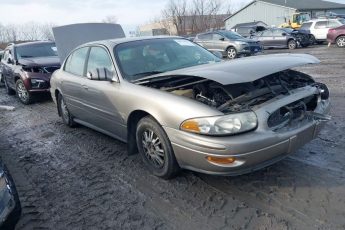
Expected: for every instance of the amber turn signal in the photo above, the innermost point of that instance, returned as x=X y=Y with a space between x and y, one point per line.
x=221 y=160
x=191 y=125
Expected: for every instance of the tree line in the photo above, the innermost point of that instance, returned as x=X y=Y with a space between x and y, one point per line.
x=195 y=16
x=29 y=31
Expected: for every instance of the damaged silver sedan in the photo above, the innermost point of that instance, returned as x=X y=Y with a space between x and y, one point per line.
x=180 y=106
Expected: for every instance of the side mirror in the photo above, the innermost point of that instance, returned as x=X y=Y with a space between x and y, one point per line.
x=222 y=39
x=10 y=61
x=218 y=54
x=100 y=74
x=284 y=34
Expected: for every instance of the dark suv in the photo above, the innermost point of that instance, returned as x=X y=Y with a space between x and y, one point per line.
x=26 y=68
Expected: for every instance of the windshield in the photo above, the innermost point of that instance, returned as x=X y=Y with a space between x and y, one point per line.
x=342 y=21
x=36 y=50
x=231 y=35
x=139 y=59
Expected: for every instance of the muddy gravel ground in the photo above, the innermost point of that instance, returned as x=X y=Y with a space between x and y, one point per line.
x=81 y=179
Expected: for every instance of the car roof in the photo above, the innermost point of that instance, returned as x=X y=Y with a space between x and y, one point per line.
x=33 y=43
x=113 y=42
x=322 y=19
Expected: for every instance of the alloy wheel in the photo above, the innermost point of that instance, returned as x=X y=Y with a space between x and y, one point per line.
x=232 y=53
x=64 y=111
x=23 y=94
x=341 y=42
x=292 y=45
x=153 y=148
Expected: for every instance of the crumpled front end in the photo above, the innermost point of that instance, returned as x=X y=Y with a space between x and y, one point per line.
x=290 y=107
x=10 y=209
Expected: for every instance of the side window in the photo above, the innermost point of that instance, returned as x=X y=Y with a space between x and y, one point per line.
x=333 y=24
x=267 y=33
x=76 y=62
x=216 y=37
x=278 y=33
x=205 y=36
x=99 y=58
x=321 y=25
x=5 y=57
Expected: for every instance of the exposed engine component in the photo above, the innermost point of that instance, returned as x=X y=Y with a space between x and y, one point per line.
x=242 y=96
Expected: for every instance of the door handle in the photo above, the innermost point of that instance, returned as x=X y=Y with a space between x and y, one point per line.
x=85 y=86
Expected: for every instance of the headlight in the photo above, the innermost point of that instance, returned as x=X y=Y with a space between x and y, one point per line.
x=37 y=83
x=221 y=125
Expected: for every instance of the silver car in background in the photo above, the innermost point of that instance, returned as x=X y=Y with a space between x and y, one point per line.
x=180 y=106
x=230 y=44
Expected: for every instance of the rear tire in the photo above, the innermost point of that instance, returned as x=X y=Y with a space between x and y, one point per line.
x=231 y=53
x=66 y=116
x=292 y=44
x=155 y=149
x=9 y=91
x=341 y=41
x=312 y=39
x=24 y=96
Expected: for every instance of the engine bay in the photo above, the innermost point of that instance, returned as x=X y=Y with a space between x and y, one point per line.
x=236 y=97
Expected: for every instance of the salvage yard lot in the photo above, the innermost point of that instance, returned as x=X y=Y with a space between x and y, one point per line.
x=81 y=179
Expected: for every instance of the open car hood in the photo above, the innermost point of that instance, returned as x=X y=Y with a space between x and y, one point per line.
x=40 y=61
x=71 y=36
x=244 y=69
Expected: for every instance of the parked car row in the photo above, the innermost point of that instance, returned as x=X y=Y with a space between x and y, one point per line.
x=134 y=90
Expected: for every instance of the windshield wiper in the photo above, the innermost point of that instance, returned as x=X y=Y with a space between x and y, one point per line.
x=145 y=74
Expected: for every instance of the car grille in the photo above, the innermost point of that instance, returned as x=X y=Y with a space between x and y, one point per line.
x=292 y=113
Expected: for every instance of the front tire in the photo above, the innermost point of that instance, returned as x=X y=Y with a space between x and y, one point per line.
x=231 y=53
x=66 y=116
x=292 y=44
x=155 y=149
x=23 y=94
x=341 y=41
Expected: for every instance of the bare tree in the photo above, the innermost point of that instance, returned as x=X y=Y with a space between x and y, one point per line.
x=30 y=31
x=176 y=11
x=199 y=16
x=47 y=31
x=110 y=19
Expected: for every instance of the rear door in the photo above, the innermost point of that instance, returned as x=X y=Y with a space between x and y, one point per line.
x=266 y=38
x=73 y=83
x=321 y=30
x=7 y=68
x=279 y=40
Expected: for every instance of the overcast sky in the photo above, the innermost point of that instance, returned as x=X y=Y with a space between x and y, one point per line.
x=130 y=13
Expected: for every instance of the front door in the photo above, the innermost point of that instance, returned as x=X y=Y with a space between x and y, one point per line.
x=100 y=96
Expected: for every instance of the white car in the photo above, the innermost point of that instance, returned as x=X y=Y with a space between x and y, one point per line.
x=319 y=27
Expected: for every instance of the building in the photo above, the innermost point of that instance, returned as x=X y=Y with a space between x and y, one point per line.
x=277 y=12
x=188 y=25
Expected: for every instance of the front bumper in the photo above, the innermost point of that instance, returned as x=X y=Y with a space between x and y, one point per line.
x=10 y=208
x=253 y=150
x=250 y=50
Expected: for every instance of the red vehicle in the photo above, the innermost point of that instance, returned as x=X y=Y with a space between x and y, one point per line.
x=26 y=69
x=337 y=36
